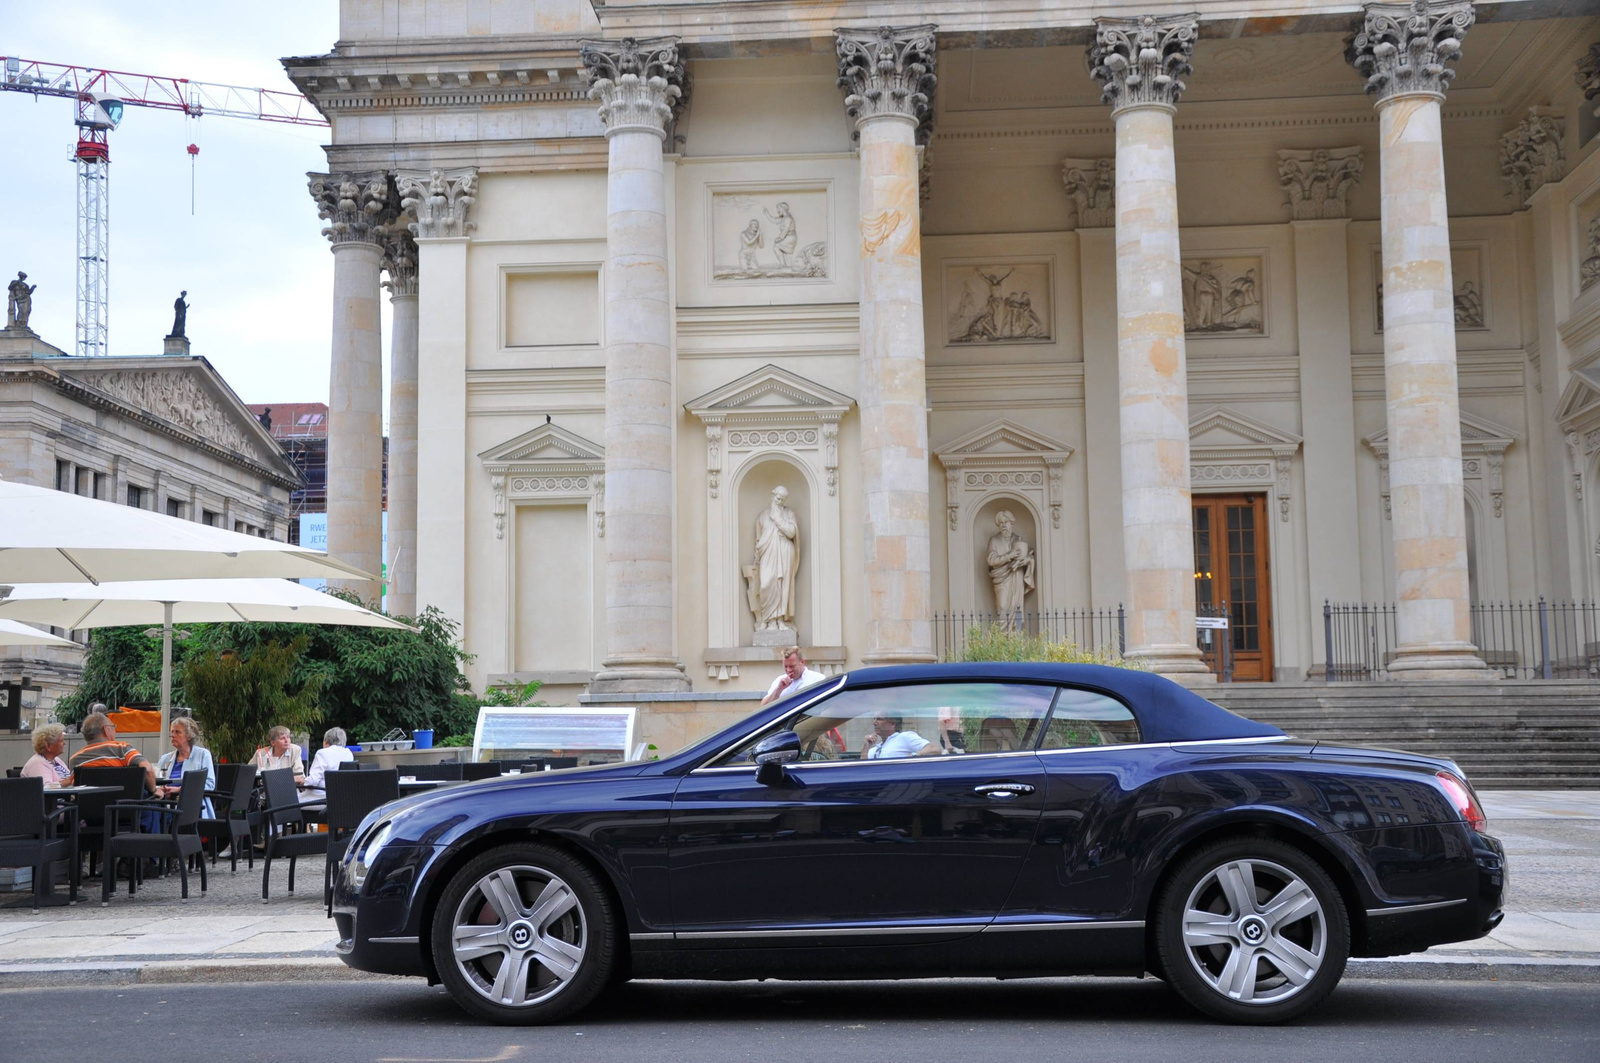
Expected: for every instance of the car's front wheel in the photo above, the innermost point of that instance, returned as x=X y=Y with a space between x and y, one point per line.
x=1252 y=930
x=524 y=934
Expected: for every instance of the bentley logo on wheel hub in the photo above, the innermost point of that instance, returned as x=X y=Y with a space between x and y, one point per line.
x=1253 y=930
x=521 y=935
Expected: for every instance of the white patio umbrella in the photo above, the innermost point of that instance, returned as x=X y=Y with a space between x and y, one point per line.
x=54 y=536
x=14 y=634
x=182 y=601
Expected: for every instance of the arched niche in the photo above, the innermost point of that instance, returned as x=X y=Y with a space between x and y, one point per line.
x=765 y=425
x=984 y=528
x=753 y=495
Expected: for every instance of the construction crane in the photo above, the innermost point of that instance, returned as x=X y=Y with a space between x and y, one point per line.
x=101 y=96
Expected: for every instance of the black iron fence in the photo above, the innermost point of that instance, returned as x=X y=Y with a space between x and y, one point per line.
x=1098 y=630
x=1521 y=640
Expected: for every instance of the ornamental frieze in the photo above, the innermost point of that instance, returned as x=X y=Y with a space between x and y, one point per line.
x=178 y=399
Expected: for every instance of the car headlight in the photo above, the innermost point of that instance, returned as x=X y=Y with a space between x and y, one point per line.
x=367 y=852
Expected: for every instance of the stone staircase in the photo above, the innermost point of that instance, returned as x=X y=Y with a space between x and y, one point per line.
x=1510 y=735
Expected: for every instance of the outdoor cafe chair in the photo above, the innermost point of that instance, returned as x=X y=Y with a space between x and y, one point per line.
x=446 y=772
x=181 y=839
x=29 y=838
x=92 y=807
x=486 y=769
x=231 y=801
x=284 y=810
x=350 y=797
x=14 y=773
x=552 y=763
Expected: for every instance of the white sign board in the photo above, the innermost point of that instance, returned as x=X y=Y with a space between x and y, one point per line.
x=596 y=734
x=1212 y=623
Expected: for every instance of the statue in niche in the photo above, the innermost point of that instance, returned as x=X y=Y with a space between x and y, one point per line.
x=1010 y=569
x=19 y=303
x=771 y=579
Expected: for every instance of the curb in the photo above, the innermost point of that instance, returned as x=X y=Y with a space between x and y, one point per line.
x=286 y=968
x=1583 y=968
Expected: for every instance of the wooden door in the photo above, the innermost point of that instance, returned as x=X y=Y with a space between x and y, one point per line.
x=1230 y=565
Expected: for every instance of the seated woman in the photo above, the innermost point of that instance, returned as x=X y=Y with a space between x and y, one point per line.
x=187 y=755
x=328 y=758
x=49 y=742
x=280 y=752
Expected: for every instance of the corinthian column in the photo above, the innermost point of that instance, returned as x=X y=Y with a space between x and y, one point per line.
x=1404 y=52
x=638 y=83
x=888 y=79
x=400 y=261
x=1139 y=63
x=356 y=207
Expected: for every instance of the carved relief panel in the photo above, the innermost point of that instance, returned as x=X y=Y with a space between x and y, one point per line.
x=1000 y=302
x=767 y=233
x=1225 y=295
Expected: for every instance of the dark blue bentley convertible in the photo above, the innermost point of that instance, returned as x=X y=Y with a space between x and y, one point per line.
x=976 y=819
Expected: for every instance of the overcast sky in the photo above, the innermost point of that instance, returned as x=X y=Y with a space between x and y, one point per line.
x=251 y=256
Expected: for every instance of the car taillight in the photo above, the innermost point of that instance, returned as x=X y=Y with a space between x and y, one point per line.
x=1465 y=800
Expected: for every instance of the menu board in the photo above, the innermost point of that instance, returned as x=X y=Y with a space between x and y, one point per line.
x=593 y=735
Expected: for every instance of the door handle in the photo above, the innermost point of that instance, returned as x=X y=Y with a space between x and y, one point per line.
x=1003 y=791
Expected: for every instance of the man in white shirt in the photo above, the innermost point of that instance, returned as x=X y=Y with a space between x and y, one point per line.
x=796 y=677
x=886 y=741
x=332 y=754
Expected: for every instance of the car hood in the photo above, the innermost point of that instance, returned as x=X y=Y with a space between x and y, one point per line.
x=473 y=791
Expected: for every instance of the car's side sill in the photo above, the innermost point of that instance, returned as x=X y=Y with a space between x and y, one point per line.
x=1416 y=907
x=412 y=940
x=1120 y=924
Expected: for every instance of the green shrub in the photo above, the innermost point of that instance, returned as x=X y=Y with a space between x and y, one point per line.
x=996 y=642
x=237 y=697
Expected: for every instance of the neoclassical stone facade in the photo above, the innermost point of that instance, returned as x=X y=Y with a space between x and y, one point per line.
x=1331 y=278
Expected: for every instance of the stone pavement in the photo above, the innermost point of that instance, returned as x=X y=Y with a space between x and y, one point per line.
x=1551 y=930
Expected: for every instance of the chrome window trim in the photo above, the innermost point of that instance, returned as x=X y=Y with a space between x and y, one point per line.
x=826 y=687
x=1082 y=924
x=1256 y=740
x=1416 y=907
x=809 y=764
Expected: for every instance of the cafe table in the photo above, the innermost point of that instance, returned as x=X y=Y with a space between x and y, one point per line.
x=51 y=899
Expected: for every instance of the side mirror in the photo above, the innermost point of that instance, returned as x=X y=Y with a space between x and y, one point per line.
x=772 y=753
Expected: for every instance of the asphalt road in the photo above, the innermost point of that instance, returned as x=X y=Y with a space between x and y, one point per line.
x=924 y=1022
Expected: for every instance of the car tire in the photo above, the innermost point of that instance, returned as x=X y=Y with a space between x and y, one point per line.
x=1251 y=930
x=543 y=913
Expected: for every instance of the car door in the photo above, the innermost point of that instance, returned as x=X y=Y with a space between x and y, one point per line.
x=857 y=844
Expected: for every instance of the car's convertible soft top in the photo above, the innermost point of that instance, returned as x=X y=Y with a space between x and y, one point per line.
x=1166 y=711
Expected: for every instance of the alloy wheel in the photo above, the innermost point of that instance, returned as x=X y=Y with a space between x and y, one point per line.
x=1255 y=931
x=519 y=936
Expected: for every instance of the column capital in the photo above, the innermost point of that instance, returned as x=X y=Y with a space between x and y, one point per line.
x=638 y=81
x=1091 y=184
x=1587 y=75
x=1406 y=49
x=400 y=262
x=888 y=72
x=1318 y=180
x=356 y=206
x=436 y=202
x=1140 y=62
x=1531 y=155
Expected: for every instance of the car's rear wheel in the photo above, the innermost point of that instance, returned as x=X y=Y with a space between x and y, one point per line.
x=1252 y=930
x=524 y=934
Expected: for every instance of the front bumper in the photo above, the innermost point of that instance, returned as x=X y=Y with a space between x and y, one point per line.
x=380 y=925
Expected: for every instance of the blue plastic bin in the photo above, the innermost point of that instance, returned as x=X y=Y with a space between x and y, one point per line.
x=422 y=739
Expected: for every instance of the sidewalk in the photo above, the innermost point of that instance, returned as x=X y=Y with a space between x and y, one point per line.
x=1551 y=931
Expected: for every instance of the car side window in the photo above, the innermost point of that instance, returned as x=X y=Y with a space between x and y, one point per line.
x=915 y=720
x=1086 y=718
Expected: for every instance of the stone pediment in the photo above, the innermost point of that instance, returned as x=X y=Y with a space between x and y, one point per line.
x=1218 y=428
x=770 y=390
x=547 y=445
x=1580 y=402
x=1003 y=440
x=1479 y=435
x=183 y=397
